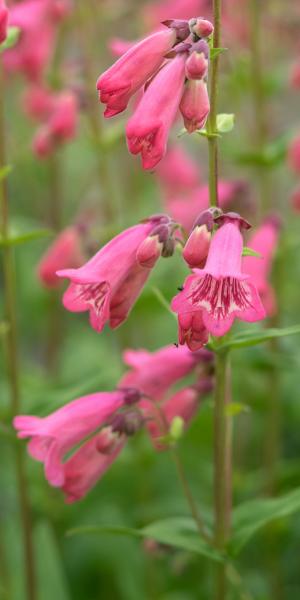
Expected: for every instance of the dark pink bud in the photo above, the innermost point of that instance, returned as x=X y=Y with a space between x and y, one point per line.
x=196 y=66
x=149 y=251
x=201 y=27
x=131 y=395
x=180 y=27
x=196 y=248
x=194 y=105
x=128 y=422
x=232 y=217
x=179 y=49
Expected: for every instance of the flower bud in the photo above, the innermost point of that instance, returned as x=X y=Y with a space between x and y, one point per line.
x=128 y=422
x=196 y=66
x=181 y=28
x=196 y=248
x=106 y=441
x=201 y=27
x=149 y=251
x=131 y=395
x=194 y=105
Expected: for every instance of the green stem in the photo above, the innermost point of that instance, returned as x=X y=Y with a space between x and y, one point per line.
x=11 y=343
x=212 y=119
x=222 y=464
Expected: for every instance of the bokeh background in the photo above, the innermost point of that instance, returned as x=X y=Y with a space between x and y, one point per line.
x=62 y=358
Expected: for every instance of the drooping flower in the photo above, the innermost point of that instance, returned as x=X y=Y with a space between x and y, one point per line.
x=194 y=105
x=264 y=241
x=131 y=71
x=220 y=291
x=3 y=21
x=60 y=124
x=148 y=129
x=109 y=283
x=64 y=253
x=154 y=372
x=52 y=437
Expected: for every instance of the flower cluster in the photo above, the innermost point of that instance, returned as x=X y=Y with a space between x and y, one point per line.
x=172 y=64
x=95 y=428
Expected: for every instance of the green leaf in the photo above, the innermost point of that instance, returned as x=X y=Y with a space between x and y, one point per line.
x=249 y=252
x=214 y=52
x=225 y=122
x=179 y=532
x=11 y=39
x=15 y=239
x=254 y=337
x=251 y=516
x=5 y=171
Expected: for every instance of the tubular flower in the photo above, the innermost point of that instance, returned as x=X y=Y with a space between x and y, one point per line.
x=64 y=253
x=264 y=241
x=194 y=105
x=153 y=373
x=220 y=291
x=52 y=437
x=60 y=124
x=109 y=283
x=131 y=71
x=3 y=21
x=148 y=129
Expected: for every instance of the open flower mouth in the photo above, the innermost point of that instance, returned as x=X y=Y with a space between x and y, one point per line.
x=94 y=295
x=221 y=297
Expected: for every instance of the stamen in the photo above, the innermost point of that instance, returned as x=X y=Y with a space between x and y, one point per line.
x=220 y=297
x=93 y=294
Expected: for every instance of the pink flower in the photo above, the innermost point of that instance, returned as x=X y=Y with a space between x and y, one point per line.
x=185 y=209
x=131 y=71
x=183 y=403
x=60 y=125
x=148 y=129
x=153 y=373
x=177 y=172
x=88 y=465
x=264 y=241
x=294 y=154
x=3 y=21
x=109 y=283
x=64 y=253
x=194 y=105
x=38 y=102
x=52 y=437
x=220 y=291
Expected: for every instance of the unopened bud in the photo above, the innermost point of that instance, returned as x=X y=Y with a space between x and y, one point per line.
x=181 y=27
x=196 y=248
x=201 y=27
x=106 y=440
x=149 y=251
x=196 y=66
x=131 y=395
x=128 y=422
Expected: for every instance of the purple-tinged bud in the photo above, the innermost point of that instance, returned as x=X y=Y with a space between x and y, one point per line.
x=164 y=234
x=128 y=422
x=201 y=27
x=131 y=395
x=207 y=217
x=194 y=105
x=157 y=219
x=179 y=49
x=106 y=441
x=181 y=28
x=149 y=251
x=196 y=66
x=196 y=248
x=232 y=216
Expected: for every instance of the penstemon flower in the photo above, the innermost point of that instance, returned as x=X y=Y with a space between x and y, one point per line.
x=221 y=292
x=109 y=283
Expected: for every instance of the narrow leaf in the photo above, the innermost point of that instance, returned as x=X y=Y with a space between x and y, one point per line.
x=214 y=52
x=250 y=517
x=249 y=252
x=252 y=338
x=15 y=239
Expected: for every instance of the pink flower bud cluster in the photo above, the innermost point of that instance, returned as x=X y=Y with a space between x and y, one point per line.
x=171 y=65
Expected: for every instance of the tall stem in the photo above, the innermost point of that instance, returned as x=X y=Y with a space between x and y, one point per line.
x=222 y=463
x=212 y=119
x=11 y=343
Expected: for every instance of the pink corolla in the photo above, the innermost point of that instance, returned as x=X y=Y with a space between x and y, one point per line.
x=110 y=282
x=60 y=124
x=221 y=292
x=194 y=105
x=64 y=253
x=131 y=71
x=54 y=436
x=153 y=373
x=3 y=21
x=177 y=172
x=148 y=129
x=264 y=241
x=294 y=154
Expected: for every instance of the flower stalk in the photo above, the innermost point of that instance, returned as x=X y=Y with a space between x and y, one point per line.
x=212 y=119
x=11 y=347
